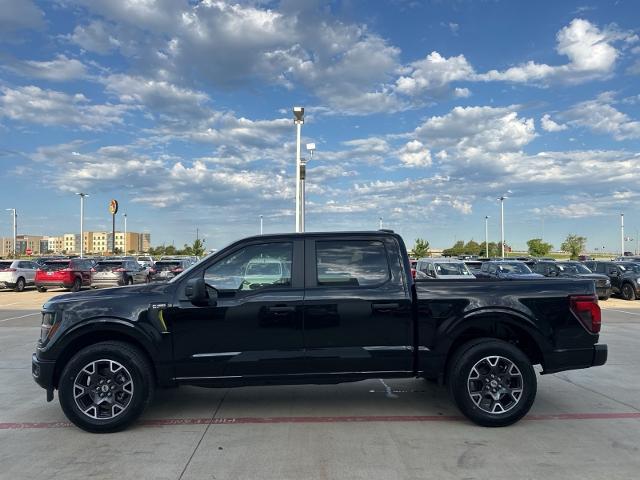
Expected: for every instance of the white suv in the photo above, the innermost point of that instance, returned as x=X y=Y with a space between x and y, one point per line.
x=17 y=274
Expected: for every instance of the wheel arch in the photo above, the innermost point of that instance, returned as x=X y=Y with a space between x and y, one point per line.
x=102 y=330
x=502 y=325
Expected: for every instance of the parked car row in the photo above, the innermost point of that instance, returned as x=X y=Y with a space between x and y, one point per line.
x=615 y=277
x=77 y=273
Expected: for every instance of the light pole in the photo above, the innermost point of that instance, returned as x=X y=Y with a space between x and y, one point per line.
x=82 y=195
x=486 y=235
x=260 y=224
x=125 y=233
x=380 y=223
x=622 y=234
x=502 y=199
x=298 y=113
x=15 y=230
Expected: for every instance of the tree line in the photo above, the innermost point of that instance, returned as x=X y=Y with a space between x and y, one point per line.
x=574 y=245
x=195 y=249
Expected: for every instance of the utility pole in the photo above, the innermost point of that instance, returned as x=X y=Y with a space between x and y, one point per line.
x=125 y=234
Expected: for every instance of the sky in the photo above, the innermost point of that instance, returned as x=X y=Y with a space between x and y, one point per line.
x=422 y=112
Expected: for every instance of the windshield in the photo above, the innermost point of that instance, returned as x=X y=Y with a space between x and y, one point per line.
x=575 y=268
x=55 y=266
x=107 y=266
x=444 y=269
x=164 y=266
x=513 y=268
x=264 y=269
x=630 y=267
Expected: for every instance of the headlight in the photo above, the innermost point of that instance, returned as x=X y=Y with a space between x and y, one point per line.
x=48 y=326
x=607 y=283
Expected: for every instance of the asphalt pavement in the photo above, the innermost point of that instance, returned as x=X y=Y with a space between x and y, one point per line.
x=584 y=424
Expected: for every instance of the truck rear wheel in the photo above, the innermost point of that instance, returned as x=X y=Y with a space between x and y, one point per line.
x=628 y=292
x=105 y=387
x=492 y=382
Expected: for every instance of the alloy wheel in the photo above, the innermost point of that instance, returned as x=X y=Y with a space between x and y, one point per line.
x=495 y=384
x=103 y=389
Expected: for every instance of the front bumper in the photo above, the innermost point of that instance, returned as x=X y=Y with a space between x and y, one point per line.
x=574 y=359
x=43 y=374
x=603 y=292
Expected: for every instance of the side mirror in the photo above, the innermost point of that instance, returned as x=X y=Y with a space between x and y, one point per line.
x=196 y=292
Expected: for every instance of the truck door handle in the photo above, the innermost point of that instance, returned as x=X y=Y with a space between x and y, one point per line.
x=282 y=309
x=385 y=306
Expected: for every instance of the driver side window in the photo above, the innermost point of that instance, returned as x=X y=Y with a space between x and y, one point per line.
x=253 y=267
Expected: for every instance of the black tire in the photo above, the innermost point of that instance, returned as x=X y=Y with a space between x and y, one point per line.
x=628 y=292
x=139 y=375
x=41 y=289
x=77 y=285
x=20 y=284
x=475 y=405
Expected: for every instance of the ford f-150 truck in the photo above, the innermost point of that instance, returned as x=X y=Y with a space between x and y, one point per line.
x=339 y=307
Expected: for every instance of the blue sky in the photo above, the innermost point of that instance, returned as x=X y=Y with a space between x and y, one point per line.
x=423 y=113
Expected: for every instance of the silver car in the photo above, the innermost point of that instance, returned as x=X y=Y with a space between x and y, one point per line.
x=446 y=268
x=116 y=273
x=17 y=274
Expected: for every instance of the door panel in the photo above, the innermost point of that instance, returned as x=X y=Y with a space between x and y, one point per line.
x=255 y=327
x=355 y=328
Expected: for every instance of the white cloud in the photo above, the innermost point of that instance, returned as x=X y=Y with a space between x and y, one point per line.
x=59 y=69
x=477 y=136
x=551 y=126
x=415 y=154
x=600 y=116
x=462 y=92
x=590 y=51
x=95 y=37
x=51 y=108
x=432 y=75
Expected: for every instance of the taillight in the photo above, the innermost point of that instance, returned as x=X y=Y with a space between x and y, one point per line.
x=93 y=270
x=9 y=270
x=414 y=272
x=119 y=270
x=152 y=270
x=177 y=270
x=587 y=310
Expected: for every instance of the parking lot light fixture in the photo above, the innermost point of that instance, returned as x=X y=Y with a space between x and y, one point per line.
x=502 y=198
x=298 y=113
x=261 y=219
x=380 y=223
x=622 y=234
x=486 y=235
x=15 y=230
x=82 y=196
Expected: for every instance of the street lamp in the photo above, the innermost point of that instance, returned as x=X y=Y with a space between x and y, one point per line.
x=298 y=113
x=125 y=233
x=502 y=198
x=15 y=230
x=622 y=234
x=380 y=223
x=82 y=195
x=260 y=224
x=486 y=235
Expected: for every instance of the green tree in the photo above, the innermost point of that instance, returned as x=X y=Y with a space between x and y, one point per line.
x=574 y=245
x=419 y=250
x=198 y=247
x=472 y=248
x=457 y=249
x=538 y=248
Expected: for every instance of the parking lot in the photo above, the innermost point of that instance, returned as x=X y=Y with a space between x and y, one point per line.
x=584 y=424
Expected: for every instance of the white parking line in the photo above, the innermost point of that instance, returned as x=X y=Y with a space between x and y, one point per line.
x=621 y=311
x=21 y=316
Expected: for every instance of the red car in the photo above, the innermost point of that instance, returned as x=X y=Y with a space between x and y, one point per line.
x=72 y=273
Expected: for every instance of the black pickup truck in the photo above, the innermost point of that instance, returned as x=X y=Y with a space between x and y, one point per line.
x=313 y=308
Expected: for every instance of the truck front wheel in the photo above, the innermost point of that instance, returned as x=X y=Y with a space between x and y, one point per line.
x=105 y=387
x=492 y=382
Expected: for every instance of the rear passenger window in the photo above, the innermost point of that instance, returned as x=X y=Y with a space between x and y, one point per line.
x=359 y=263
